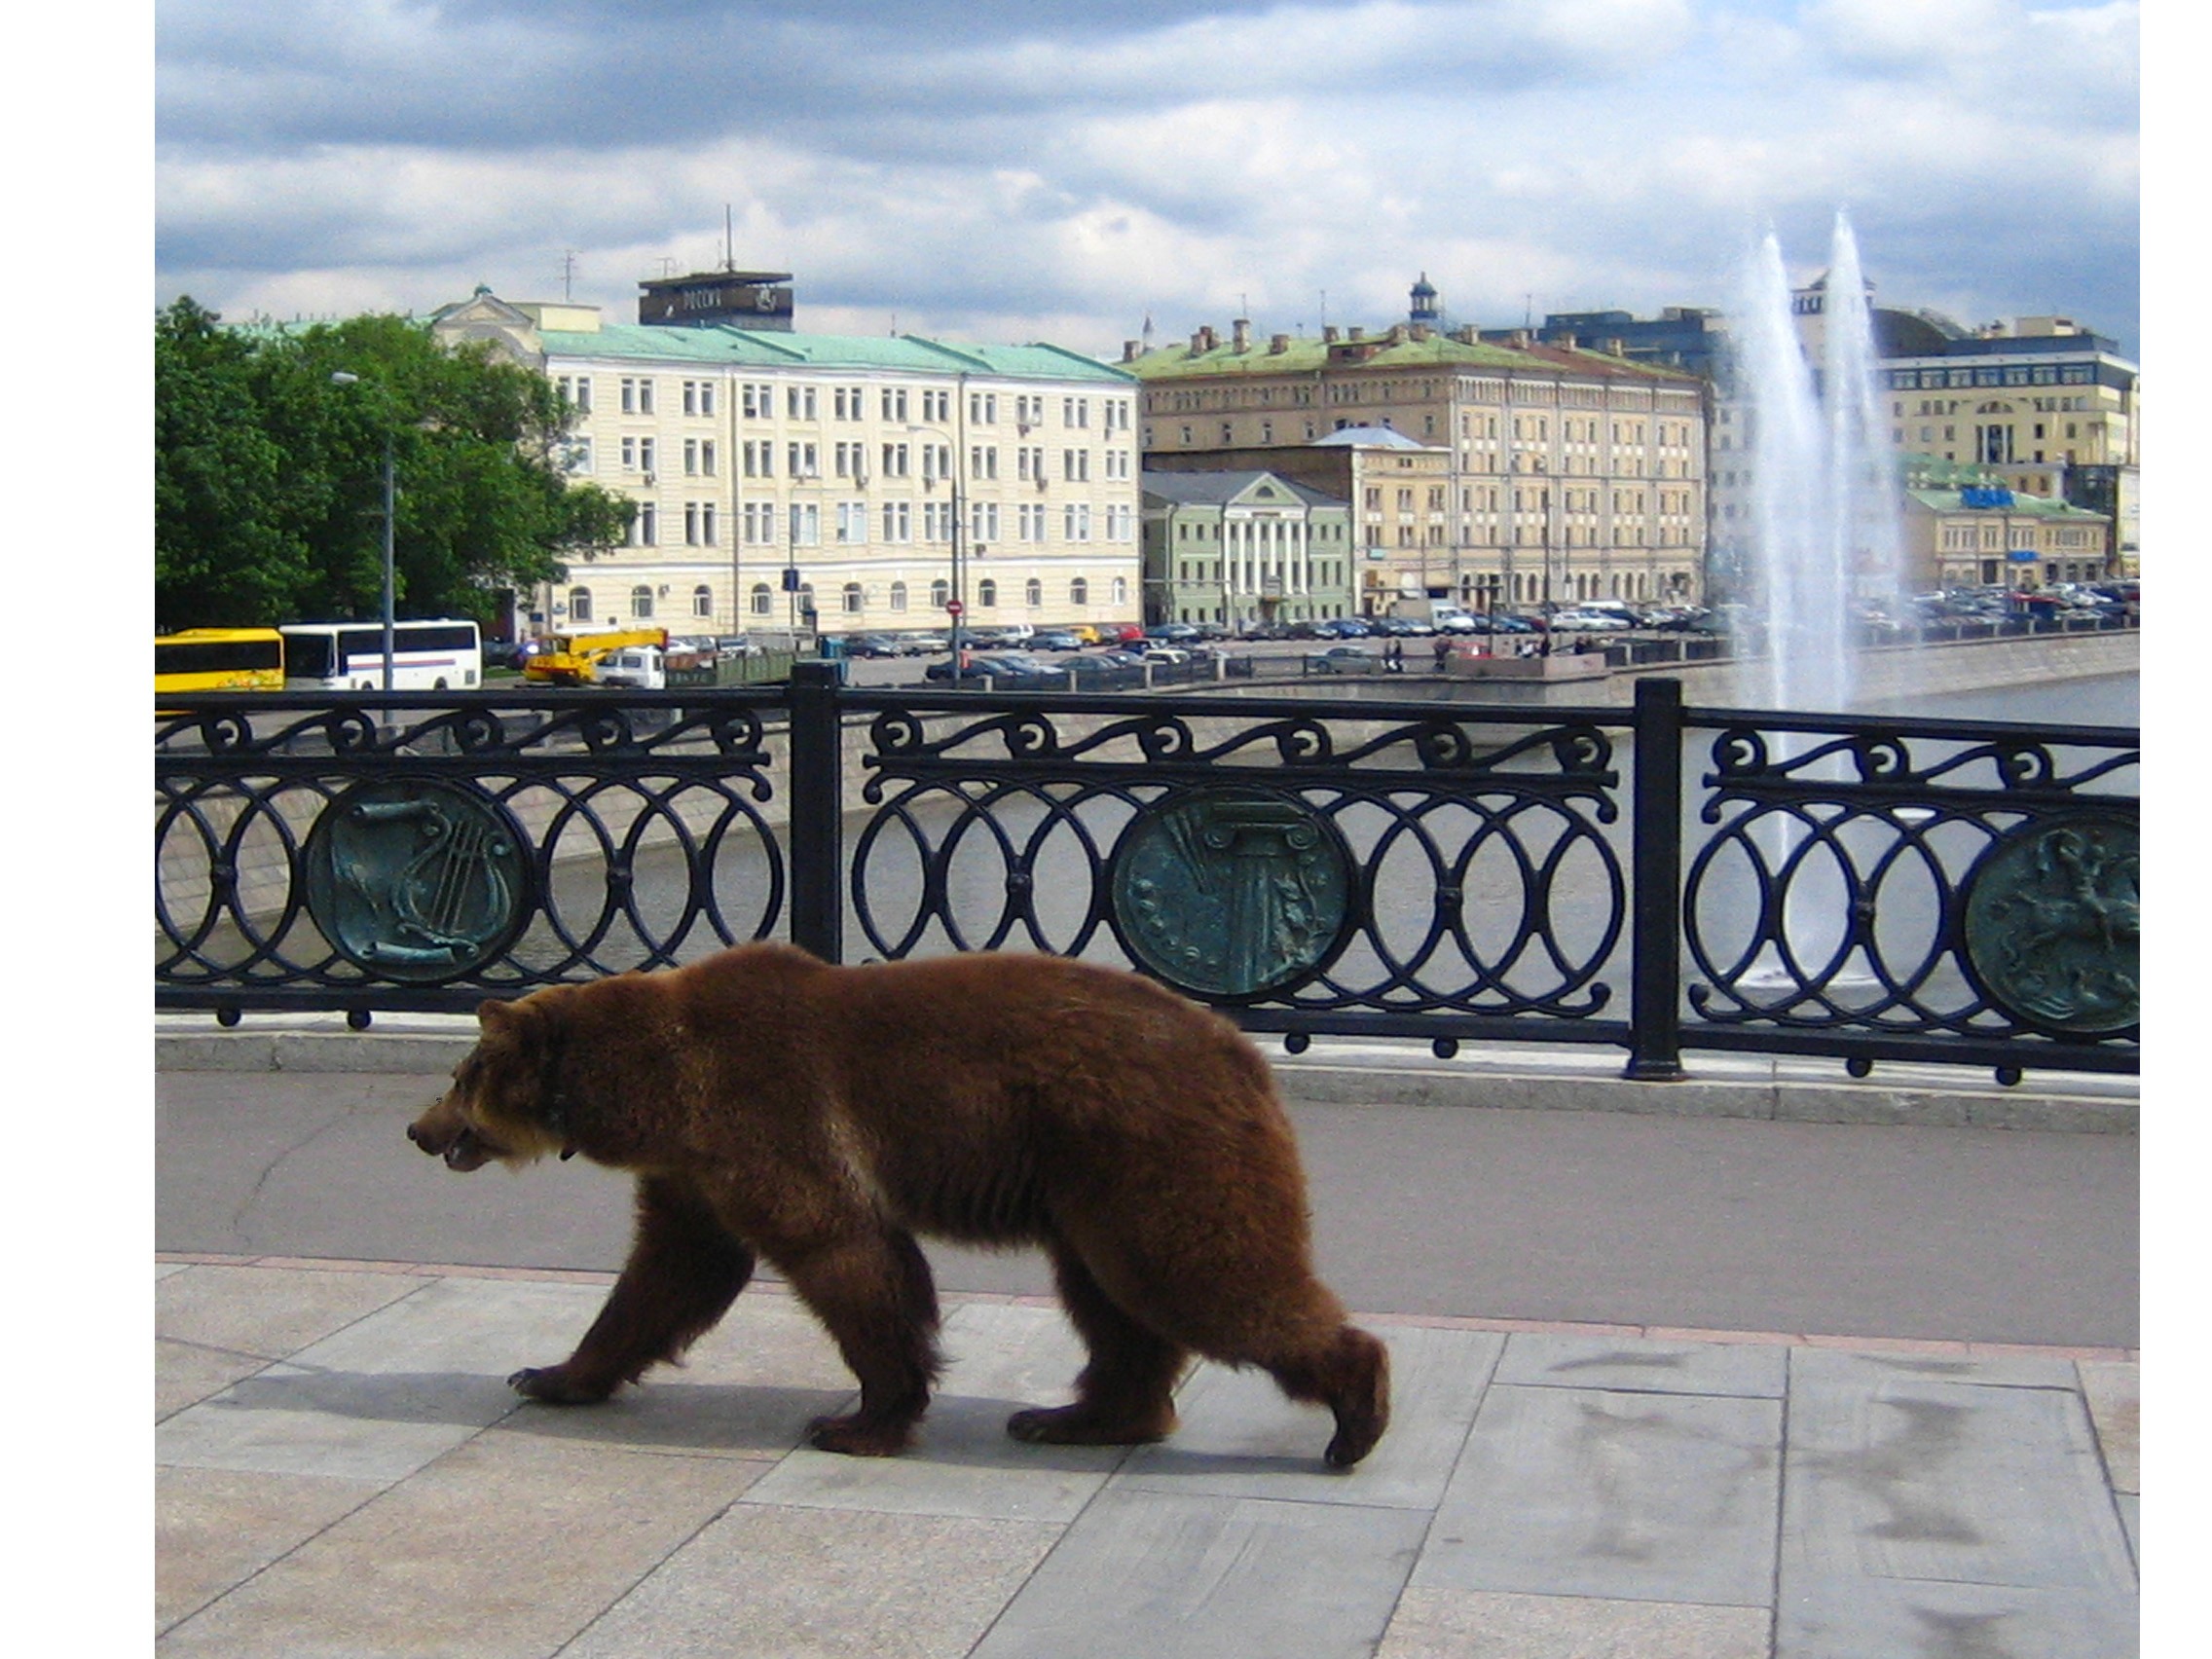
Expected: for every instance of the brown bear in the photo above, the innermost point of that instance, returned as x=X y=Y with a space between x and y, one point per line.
x=820 y=1117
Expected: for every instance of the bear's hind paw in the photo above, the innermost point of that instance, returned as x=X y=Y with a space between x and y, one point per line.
x=858 y=1436
x=555 y=1386
x=1085 y=1424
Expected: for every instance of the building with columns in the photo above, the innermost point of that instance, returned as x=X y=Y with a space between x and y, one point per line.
x=887 y=475
x=1245 y=550
x=1560 y=474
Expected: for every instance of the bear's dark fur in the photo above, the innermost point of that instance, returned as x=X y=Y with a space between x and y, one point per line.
x=821 y=1117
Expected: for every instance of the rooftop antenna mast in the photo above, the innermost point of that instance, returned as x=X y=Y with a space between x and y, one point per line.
x=568 y=274
x=730 y=240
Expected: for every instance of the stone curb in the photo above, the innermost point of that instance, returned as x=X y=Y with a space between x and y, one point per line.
x=1347 y=1075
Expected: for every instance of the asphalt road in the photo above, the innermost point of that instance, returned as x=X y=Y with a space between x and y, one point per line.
x=1833 y=1229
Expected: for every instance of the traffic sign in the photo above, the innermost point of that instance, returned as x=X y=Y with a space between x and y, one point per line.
x=953 y=607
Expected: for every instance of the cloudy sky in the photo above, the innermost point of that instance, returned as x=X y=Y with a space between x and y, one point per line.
x=1019 y=169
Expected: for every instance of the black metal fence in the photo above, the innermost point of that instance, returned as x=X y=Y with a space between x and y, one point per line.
x=1658 y=879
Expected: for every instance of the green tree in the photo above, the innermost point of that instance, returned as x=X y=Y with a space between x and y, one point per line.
x=270 y=474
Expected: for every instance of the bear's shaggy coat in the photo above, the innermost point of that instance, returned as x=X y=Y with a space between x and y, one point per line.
x=821 y=1117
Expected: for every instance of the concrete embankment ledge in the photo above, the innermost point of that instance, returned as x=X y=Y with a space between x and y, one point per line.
x=1516 y=1076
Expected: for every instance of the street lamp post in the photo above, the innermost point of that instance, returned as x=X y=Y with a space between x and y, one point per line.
x=390 y=493
x=956 y=606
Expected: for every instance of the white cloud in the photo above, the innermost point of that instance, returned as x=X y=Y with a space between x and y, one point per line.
x=1184 y=161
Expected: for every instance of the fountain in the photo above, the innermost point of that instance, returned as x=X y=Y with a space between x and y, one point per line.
x=1824 y=502
x=1824 y=540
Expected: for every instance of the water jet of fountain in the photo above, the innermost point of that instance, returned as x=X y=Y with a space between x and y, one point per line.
x=1823 y=508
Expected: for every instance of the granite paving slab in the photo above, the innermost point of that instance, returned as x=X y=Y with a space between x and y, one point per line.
x=1583 y=1492
x=1490 y=1624
x=1945 y=1482
x=389 y=1392
x=1155 y=1574
x=506 y=1548
x=766 y=1582
x=216 y=1527
x=268 y=1312
x=1241 y=1437
x=1862 y=1618
x=2112 y=1391
x=1557 y=1359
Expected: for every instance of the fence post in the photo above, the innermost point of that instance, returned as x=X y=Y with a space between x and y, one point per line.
x=817 y=817
x=1657 y=870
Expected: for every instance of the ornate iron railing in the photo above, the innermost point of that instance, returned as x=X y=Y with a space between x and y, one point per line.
x=1657 y=879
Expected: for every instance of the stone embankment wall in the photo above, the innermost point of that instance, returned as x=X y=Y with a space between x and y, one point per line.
x=1892 y=672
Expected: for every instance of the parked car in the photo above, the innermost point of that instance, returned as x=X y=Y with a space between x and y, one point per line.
x=1056 y=640
x=872 y=645
x=1171 y=655
x=994 y=665
x=1171 y=633
x=1345 y=660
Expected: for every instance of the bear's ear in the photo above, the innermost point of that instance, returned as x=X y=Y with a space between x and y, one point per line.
x=498 y=1018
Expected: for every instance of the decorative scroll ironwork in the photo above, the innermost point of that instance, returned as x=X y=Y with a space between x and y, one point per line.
x=430 y=849
x=1483 y=879
x=1871 y=889
x=1859 y=882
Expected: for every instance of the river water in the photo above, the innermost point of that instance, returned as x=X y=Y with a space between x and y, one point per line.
x=2112 y=699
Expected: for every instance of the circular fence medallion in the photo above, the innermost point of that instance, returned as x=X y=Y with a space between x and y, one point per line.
x=1230 y=892
x=2052 y=923
x=415 y=881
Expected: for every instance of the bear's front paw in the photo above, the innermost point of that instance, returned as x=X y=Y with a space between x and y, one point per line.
x=556 y=1386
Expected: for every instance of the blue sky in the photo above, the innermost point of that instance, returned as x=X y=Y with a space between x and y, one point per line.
x=1010 y=171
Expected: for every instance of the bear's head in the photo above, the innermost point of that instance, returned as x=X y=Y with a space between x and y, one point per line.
x=505 y=1103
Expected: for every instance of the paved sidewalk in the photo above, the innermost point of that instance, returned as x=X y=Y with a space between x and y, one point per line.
x=343 y=1471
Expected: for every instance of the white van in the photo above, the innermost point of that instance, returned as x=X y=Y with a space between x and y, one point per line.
x=640 y=668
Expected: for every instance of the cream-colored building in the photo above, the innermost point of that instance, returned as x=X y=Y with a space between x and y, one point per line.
x=891 y=475
x=1562 y=474
x=2048 y=404
x=1968 y=525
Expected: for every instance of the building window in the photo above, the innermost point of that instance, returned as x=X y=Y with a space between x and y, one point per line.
x=940 y=594
x=1078 y=591
x=579 y=604
x=642 y=602
x=702 y=601
x=987 y=594
x=760 y=602
x=899 y=596
x=1033 y=593
x=849 y=597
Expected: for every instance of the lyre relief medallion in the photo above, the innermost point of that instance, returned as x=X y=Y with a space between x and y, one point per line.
x=417 y=879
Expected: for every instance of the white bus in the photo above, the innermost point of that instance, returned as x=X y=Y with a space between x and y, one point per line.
x=442 y=655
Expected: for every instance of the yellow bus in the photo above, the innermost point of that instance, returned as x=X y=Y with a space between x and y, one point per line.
x=219 y=659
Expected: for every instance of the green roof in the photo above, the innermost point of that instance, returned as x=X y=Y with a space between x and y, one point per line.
x=1305 y=355
x=2032 y=506
x=771 y=349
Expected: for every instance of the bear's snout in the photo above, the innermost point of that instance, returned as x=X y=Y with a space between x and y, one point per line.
x=443 y=1132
